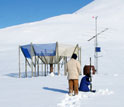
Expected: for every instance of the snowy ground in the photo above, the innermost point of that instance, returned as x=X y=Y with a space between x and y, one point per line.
x=71 y=28
x=53 y=92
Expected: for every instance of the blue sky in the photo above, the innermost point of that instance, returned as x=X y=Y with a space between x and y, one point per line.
x=14 y=12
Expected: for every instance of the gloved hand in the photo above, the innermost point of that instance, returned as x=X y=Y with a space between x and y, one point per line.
x=88 y=79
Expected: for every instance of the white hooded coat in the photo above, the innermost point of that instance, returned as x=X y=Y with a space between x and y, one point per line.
x=73 y=69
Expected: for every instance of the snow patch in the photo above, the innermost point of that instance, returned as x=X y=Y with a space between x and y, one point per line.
x=52 y=74
x=70 y=101
x=115 y=75
x=75 y=101
x=105 y=92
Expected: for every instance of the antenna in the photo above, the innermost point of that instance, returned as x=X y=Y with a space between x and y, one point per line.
x=97 y=49
x=98 y=34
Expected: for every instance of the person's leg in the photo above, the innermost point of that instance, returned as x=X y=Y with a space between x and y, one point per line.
x=76 y=87
x=70 y=86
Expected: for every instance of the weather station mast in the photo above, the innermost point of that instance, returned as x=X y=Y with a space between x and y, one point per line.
x=97 y=48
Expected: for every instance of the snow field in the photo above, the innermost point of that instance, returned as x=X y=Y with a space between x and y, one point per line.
x=52 y=91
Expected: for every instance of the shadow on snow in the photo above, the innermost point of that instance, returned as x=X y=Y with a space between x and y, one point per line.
x=16 y=75
x=55 y=90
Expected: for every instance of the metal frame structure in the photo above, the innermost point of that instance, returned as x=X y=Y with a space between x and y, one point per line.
x=36 y=62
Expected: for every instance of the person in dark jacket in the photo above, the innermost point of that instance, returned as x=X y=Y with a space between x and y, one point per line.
x=85 y=82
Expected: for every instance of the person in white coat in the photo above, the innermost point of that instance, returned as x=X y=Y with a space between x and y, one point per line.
x=73 y=68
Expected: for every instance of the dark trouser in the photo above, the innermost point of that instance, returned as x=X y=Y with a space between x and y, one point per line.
x=73 y=86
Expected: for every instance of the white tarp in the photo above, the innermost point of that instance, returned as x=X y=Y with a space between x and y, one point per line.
x=62 y=50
